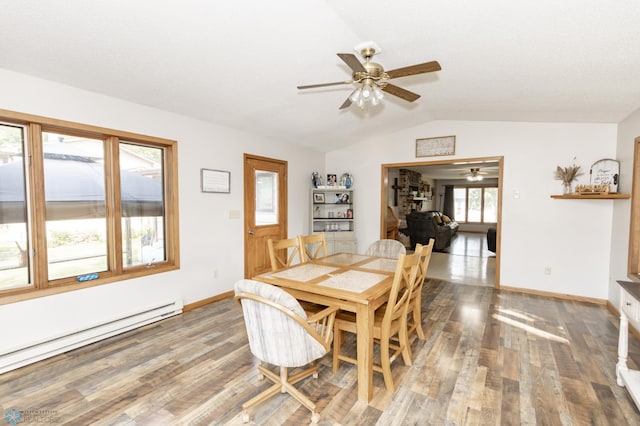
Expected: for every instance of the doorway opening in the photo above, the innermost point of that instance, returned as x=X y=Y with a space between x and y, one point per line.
x=473 y=203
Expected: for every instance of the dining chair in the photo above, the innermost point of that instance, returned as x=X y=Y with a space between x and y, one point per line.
x=312 y=246
x=414 y=312
x=278 y=248
x=386 y=248
x=281 y=334
x=390 y=321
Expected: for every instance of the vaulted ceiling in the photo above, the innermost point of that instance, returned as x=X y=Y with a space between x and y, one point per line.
x=237 y=63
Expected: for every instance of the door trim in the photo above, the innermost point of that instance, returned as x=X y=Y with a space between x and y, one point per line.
x=283 y=200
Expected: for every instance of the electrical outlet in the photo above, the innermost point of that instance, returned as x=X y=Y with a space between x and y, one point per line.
x=215 y=273
x=547 y=270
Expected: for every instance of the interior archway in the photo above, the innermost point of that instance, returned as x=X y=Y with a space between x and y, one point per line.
x=446 y=170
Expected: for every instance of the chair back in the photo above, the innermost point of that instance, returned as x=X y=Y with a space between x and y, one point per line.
x=312 y=246
x=280 y=255
x=276 y=326
x=424 y=264
x=400 y=294
x=386 y=248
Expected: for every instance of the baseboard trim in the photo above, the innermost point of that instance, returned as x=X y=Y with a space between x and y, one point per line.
x=208 y=300
x=556 y=295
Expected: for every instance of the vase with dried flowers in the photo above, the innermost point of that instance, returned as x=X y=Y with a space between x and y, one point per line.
x=567 y=175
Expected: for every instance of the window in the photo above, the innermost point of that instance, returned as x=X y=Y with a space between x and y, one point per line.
x=266 y=184
x=81 y=205
x=476 y=204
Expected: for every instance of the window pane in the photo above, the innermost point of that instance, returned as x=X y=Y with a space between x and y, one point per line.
x=266 y=197
x=74 y=181
x=14 y=259
x=143 y=207
x=460 y=204
x=490 y=205
x=475 y=205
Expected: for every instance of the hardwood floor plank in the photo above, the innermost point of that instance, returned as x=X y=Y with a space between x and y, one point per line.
x=489 y=357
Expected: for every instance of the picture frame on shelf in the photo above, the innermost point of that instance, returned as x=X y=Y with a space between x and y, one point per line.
x=318 y=198
x=332 y=180
x=342 y=198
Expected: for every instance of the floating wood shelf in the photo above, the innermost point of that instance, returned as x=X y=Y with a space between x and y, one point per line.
x=612 y=196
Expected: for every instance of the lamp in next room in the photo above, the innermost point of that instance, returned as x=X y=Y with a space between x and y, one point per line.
x=474 y=175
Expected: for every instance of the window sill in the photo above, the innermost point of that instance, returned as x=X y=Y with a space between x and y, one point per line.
x=28 y=294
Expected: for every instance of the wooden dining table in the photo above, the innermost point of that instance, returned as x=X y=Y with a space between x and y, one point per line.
x=353 y=282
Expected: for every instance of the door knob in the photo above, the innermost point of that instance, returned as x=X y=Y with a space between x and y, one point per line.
x=250 y=231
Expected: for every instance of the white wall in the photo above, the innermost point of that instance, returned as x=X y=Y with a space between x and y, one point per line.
x=572 y=237
x=209 y=239
x=628 y=130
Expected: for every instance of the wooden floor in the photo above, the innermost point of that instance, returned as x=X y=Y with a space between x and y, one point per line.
x=490 y=357
x=467 y=261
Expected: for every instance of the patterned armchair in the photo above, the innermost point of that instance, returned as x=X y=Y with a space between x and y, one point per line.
x=280 y=334
x=386 y=248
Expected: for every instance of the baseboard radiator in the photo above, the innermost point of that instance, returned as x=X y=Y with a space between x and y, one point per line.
x=27 y=354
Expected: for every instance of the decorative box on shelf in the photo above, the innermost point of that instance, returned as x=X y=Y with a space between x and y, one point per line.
x=593 y=189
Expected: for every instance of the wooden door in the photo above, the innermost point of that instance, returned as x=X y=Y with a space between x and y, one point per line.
x=265 y=210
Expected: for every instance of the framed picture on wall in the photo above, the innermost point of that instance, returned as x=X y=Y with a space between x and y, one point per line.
x=215 y=181
x=433 y=147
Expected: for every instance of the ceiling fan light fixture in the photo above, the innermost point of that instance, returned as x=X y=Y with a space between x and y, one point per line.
x=474 y=175
x=356 y=95
x=367 y=91
x=377 y=93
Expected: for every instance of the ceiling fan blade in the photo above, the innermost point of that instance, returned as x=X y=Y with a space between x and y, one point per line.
x=346 y=103
x=414 y=69
x=353 y=62
x=400 y=92
x=311 y=86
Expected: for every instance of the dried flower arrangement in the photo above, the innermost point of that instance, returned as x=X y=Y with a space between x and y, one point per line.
x=567 y=175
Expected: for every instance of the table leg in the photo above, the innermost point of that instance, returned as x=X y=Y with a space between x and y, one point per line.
x=623 y=347
x=364 y=324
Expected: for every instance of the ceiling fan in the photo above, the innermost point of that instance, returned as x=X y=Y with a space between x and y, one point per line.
x=475 y=174
x=373 y=80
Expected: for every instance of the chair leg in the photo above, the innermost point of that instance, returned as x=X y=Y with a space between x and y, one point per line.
x=417 y=318
x=337 y=342
x=283 y=383
x=385 y=363
x=287 y=386
x=403 y=339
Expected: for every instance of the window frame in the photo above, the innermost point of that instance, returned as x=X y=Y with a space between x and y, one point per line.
x=40 y=285
x=482 y=188
x=633 y=261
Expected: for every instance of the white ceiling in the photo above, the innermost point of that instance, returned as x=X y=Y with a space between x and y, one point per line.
x=237 y=63
x=454 y=170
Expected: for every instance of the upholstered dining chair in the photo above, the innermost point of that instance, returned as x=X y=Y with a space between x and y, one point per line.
x=312 y=246
x=283 y=253
x=281 y=334
x=414 y=324
x=390 y=321
x=386 y=248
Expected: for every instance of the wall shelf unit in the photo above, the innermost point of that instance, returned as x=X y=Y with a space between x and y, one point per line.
x=612 y=196
x=332 y=213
